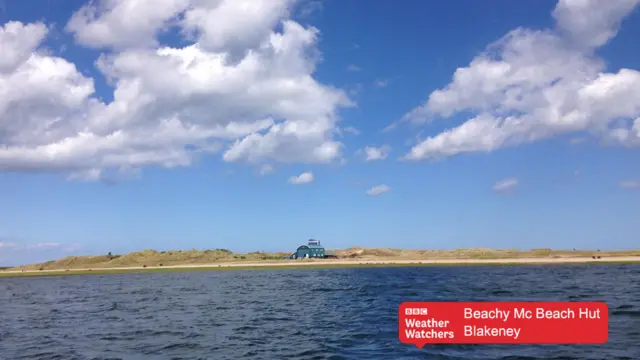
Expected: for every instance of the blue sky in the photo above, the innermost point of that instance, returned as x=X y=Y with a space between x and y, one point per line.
x=411 y=125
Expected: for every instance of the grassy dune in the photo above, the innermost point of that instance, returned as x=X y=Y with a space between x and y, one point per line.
x=155 y=259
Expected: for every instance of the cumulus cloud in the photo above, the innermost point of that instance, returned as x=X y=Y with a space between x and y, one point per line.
x=241 y=87
x=505 y=185
x=373 y=153
x=354 y=68
x=18 y=40
x=536 y=84
x=304 y=178
x=110 y=23
x=378 y=190
x=630 y=184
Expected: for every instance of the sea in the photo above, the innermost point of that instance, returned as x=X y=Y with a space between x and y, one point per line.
x=294 y=313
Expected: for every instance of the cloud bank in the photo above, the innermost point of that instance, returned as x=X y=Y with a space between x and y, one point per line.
x=533 y=85
x=241 y=87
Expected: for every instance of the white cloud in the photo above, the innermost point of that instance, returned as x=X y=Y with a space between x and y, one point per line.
x=241 y=88
x=630 y=184
x=266 y=169
x=354 y=68
x=505 y=185
x=376 y=153
x=38 y=246
x=7 y=245
x=378 y=189
x=382 y=83
x=352 y=130
x=233 y=26
x=308 y=8
x=588 y=23
x=44 y=246
x=18 y=40
x=111 y=23
x=535 y=84
x=86 y=175
x=304 y=178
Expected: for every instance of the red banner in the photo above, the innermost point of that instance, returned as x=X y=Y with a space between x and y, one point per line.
x=422 y=323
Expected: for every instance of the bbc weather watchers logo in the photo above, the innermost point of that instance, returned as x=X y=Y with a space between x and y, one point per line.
x=416 y=311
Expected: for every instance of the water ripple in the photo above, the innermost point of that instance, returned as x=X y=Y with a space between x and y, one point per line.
x=293 y=314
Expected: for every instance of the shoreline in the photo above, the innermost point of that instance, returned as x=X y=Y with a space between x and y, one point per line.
x=326 y=264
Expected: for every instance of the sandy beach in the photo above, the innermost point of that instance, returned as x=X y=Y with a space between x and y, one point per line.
x=339 y=263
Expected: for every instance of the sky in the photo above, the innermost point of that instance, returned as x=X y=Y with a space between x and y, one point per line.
x=254 y=125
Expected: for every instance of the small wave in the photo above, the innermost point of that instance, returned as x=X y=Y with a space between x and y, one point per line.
x=192 y=335
x=501 y=292
x=186 y=345
x=332 y=289
x=133 y=335
x=630 y=313
x=187 y=289
x=105 y=308
x=275 y=318
x=540 y=358
x=141 y=292
x=246 y=328
x=624 y=307
x=579 y=296
x=48 y=355
x=147 y=299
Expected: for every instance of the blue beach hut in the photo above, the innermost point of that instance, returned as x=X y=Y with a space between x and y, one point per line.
x=313 y=249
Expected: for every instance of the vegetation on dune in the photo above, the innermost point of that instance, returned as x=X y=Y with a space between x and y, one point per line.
x=474 y=253
x=153 y=258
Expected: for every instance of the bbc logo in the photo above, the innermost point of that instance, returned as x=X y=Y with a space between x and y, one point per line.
x=416 y=311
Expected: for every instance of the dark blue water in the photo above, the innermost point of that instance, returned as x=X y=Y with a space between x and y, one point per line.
x=293 y=314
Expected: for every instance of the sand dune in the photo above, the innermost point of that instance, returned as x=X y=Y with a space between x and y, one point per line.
x=339 y=262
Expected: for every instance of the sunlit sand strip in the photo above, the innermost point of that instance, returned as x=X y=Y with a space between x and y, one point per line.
x=329 y=263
